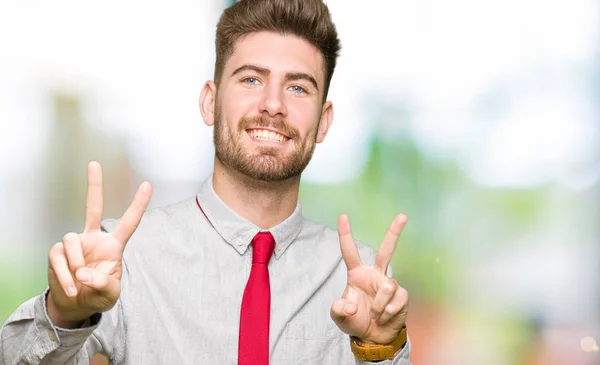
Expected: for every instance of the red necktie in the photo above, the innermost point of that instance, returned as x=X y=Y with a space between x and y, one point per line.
x=253 y=345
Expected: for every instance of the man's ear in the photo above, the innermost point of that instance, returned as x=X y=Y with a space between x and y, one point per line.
x=326 y=120
x=208 y=98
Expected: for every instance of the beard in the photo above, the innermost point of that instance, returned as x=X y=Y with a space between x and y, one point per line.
x=268 y=163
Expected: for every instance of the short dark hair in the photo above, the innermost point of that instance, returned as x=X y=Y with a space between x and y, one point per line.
x=307 y=19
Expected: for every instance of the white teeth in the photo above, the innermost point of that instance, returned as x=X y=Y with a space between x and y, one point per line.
x=267 y=135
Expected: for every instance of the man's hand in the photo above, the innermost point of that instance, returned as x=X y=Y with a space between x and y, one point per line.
x=84 y=270
x=373 y=307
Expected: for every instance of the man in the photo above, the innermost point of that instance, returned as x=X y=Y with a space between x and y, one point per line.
x=236 y=274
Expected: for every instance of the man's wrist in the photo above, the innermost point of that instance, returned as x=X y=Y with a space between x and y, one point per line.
x=59 y=320
x=378 y=352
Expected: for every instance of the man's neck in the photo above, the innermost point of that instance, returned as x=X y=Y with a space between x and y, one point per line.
x=266 y=204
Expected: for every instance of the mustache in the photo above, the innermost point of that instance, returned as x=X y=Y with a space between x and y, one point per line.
x=266 y=122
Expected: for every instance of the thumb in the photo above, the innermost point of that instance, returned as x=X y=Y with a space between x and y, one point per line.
x=98 y=280
x=341 y=309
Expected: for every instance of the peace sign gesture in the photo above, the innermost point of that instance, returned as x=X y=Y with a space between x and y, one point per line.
x=85 y=269
x=373 y=306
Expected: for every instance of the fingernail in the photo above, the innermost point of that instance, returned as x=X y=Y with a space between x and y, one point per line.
x=347 y=308
x=71 y=291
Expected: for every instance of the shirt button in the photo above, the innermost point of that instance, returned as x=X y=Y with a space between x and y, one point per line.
x=52 y=335
x=238 y=242
x=278 y=247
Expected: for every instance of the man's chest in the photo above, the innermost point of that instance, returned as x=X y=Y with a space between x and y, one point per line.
x=189 y=312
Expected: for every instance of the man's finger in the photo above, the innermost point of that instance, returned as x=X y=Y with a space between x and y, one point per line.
x=133 y=215
x=385 y=293
x=388 y=245
x=396 y=306
x=58 y=264
x=94 y=201
x=347 y=244
x=73 y=251
x=342 y=308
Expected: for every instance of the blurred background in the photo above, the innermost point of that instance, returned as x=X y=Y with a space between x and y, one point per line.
x=478 y=119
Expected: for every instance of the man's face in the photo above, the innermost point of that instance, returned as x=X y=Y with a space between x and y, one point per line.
x=268 y=106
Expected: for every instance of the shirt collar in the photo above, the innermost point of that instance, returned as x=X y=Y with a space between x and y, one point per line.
x=238 y=231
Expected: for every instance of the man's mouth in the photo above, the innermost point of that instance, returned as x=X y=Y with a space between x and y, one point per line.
x=267 y=135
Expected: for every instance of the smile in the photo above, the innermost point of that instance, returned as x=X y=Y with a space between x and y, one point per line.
x=267 y=135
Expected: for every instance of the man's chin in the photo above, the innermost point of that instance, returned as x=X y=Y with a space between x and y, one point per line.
x=269 y=175
x=265 y=172
x=267 y=166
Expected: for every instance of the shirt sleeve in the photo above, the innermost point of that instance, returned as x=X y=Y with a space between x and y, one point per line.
x=402 y=358
x=29 y=337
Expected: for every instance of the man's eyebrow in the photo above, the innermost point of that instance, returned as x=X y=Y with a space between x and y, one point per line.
x=249 y=67
x=302 y=76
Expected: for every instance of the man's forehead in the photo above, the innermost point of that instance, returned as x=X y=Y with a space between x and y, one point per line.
x=278 y=53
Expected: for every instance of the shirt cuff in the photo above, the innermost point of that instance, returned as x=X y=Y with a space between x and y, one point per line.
x=44 y=338
x=63 y=336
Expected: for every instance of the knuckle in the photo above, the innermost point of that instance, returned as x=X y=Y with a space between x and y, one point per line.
x=56 y=250
x=389 y=287
x=402 y=297
x=56 y=247
x=70 y=237
x=403 y=292
x=390 y=310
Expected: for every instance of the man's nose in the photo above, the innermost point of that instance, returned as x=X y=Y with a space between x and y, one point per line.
x=272 y=102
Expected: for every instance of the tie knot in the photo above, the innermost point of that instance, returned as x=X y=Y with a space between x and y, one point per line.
x=263 y=245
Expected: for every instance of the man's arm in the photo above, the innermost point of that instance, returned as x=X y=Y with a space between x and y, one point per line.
x=85 y=274
x=30 y=337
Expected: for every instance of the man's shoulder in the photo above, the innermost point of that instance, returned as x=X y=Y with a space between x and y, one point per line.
x=159 y=217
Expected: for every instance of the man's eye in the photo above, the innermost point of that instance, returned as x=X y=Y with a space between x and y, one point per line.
x=250 y=81
x=297 y=89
